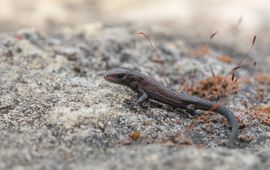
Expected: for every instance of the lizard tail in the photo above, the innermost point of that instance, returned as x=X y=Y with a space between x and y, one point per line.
x=233 y=121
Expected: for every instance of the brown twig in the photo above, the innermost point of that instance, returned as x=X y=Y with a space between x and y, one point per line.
x=157 y=60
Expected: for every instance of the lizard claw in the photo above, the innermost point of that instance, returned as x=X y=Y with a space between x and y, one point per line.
x=132 y=105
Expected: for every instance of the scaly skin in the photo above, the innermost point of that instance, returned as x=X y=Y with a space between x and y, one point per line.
x=149 y=88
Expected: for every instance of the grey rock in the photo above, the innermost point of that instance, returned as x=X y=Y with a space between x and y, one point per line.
x=57 y=111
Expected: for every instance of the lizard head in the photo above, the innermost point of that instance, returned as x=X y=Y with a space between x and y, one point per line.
x=118 y=75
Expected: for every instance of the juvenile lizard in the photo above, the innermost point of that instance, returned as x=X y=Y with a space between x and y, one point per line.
x=147 y=87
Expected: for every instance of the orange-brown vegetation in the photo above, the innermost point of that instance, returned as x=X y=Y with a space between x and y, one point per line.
x=213 y=88
x=225 y=58
x=263 y=78
x=135 y=135
x=263 y=114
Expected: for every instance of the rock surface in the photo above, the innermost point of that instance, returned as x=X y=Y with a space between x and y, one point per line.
x=57 y=111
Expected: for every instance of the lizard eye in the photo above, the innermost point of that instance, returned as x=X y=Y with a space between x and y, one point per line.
x=120 y=76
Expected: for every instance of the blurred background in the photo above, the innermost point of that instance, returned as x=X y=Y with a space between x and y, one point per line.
x=236 y=21
x=251 y=16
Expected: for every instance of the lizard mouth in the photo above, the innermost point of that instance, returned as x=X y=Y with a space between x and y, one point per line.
x=118 y=78
x=107 y=77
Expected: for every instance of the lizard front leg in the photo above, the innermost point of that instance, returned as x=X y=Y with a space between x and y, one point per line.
x=142 y=96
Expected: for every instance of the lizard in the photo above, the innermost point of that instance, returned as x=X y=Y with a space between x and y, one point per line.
x=148 y=88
